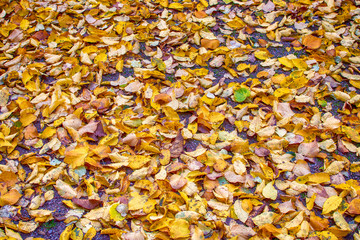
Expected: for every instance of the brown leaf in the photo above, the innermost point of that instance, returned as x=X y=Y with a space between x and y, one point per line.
x=262 y=152
x=342 y=147
x=87 y=203
x=30 y=132
x=162 y=98
x=63 y=136
x=177 y=146
x=177 y=181
x=286 y=207
x=16 y=35
x=309 y=149
x=99 y=132
x=131 y=140
x=40 y=35
x=88 y=128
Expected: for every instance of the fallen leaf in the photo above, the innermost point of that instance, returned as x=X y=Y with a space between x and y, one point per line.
x=177 y=146
x=87 y=203
x=311 y=42
x=331 y=204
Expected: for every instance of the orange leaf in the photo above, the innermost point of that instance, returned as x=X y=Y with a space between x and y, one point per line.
x=211 y=44
x=10 y=198
x=312 y=42
x=354 y=207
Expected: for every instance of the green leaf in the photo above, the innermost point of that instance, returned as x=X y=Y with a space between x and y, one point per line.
x=18 y=124
x=322 y=103
x=241 y=94
x=159 y=63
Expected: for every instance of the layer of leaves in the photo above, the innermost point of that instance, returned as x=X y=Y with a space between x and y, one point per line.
x=176 y=120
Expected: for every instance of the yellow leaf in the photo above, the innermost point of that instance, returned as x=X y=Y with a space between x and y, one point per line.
x=90 y=234
x=164 y=3
x=280 y=3
x=102 y=57
x=149 y=206
x=262 y=55
x=65 y=235
x=27 y=227
x=240 y=212
x=170 y=113
x=179 y=228
x=351 y=133
x=269 y=191
x=310 y=202
x=77 y=234
x=294 y=82
x=137 y=202
x=76 y=157
x=27 y=119
x=48 y=133
x=65 y=190
x=205 y=3
x=114 y=214
x=300 y=64
x=110 y=140
x=138 y=161
x=236 y=23
x=264 y=218
x=355 y=83
x=24 y=24
x=286 y=62
x=335 y=167
x=166 y=157
x=176 y=6
x=243 y=66
x=340 y=221
x=120 y=65
x=331 y=204
x=193 y=127
x=12 y=235
x=282 y=92
x=320 y=177
x=324 y=235
x=296 y=221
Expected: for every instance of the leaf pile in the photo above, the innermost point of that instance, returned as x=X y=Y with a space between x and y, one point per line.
x=177 y=120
